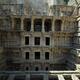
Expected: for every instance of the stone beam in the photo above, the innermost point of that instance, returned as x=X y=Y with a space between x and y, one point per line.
x=60 y=77
x=74 y=77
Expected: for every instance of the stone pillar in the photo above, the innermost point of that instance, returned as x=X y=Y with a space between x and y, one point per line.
x=60 y=77
x=63 y=25
x=22 y=24
x=53 y=26
x=11 y=77
x=43 y=27
x=46 y=77
x=27 y=77
x=74 y=77
x=32 y=24
x=12 y=23
x=22 y=41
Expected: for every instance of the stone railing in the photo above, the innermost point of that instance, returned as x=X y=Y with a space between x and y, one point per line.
x=40 y=75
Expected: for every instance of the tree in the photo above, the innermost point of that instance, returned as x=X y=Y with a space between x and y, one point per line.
x=78 y=6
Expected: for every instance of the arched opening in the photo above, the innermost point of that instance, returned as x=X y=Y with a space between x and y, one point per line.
x=27 y=24
x=27 y=68
x=46 y=68
x=48 y=25
x=58 y=24
x=38 y=25
x=36 y=68
x=17 y=23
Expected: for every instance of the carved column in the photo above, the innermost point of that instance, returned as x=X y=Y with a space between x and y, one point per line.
x=22 y=23
x=43 y=27
x=46 y=77
x=53 y=26
x=12 y=23
x=32 y=24
x=27 y=77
